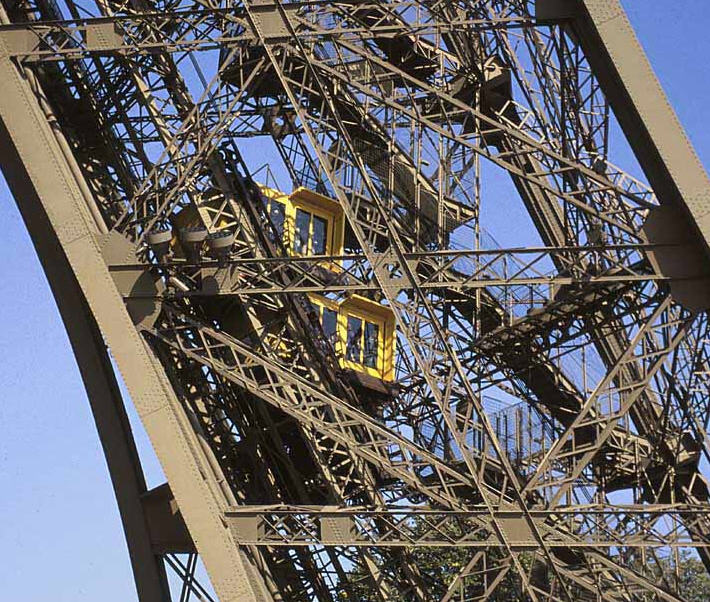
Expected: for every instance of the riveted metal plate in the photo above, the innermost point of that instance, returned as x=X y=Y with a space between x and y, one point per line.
x=103 y=36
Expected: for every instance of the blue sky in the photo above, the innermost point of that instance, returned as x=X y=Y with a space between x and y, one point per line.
x=60 y=534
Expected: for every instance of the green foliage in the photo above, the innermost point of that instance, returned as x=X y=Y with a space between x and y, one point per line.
x=692 y=580
x=439 y=567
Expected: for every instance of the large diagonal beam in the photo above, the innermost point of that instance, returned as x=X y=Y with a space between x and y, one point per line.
x=640 y=105
x=53 y=189
x=99 y=381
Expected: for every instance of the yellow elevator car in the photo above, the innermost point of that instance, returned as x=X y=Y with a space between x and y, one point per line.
x=362 y=331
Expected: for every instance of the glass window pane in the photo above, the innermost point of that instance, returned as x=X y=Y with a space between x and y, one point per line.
x=317 y=309
x=372 y=335
x=354 y=347
x=303 y=223
x=330 y=324
x=277 y=213
x=320 y=230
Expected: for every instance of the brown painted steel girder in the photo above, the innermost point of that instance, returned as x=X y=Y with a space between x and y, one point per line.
x=535 y=385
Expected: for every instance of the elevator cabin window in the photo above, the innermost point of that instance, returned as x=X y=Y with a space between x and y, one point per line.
x=307 y=223
x=362 y=333
x=329 y=321
x=311 y=233
x=362 y=342
x=277 y=214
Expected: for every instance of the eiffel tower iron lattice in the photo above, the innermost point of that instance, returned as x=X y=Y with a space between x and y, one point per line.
x=466 y=330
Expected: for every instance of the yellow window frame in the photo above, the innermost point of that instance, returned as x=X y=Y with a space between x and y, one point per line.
x=367 y=311
x=312 y=212
x=317 y=205
x=377 y=371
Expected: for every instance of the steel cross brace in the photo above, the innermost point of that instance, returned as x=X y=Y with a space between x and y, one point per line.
x=391 y=293
x=294 y=103
x=453 y=271
x=637 y=526
x=199 y=30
